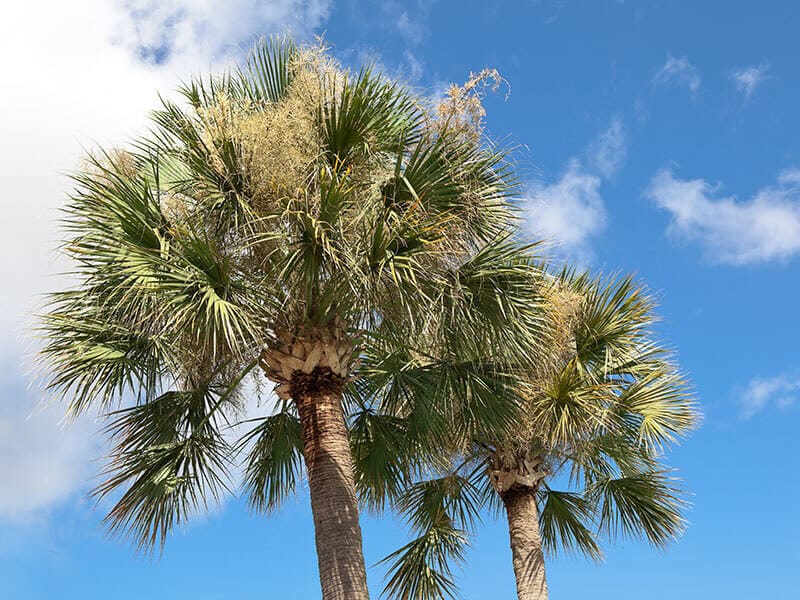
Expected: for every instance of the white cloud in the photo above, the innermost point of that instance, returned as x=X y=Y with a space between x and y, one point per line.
x=763 y=228
x=80 y=73
x=747 y=80
x=568 y=213
x=170 y=30
x=608 y=151
x=41 y=461
x=678 y=71
x=760 y=393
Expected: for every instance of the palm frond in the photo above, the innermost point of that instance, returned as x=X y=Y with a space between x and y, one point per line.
x=647 y=505
x=93 y=360
x=381 y=456
x=268 y=72
x=565 y=522
x=421 y=570
x=274 y=462
x=169 y=458
x=441 y=511
x=659 y=407
x=367 y=115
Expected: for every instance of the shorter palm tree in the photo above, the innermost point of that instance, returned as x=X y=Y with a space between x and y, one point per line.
x=584 y=463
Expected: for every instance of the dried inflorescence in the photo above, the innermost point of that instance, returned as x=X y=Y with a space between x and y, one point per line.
x=564 y=307
x=462 y=109
x=99 y=164
x=279 y=144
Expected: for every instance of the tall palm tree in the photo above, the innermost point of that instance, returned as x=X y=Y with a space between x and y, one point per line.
x=290 y=217
x=585 y=461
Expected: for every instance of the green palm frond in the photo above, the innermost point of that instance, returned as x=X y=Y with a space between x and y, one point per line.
x=268 y=72
x=568 y=409
x=96 y=361
x=648 y=505
x=170 y=457
x=615 y=321
x=452 y=497
x=566 y=523
x=442 y=399
x=368 y=115
x=440 y=512
x=421 y=570
x=274 y=463
x=659 y=407
x=496 y=289
x=171 y=461
x=382 y=455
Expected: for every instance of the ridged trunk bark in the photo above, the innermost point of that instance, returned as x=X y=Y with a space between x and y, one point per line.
x=526 y=542
x=329 y=463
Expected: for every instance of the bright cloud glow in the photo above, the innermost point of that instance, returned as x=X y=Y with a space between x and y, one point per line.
x=764 y=228
x=84 y=73
x=747 y=80
x=183 y=30
x=568 y=213
x=760 y=393
x=679 y=71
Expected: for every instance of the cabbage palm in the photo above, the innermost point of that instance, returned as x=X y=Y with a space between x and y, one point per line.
x=584 y=462
x=290 y=218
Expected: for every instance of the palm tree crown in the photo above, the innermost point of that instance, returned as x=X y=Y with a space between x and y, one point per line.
x=293 y=217
x=584 y=461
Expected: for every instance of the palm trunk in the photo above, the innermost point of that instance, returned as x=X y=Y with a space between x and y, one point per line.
x=329 y=464
x=526 y=542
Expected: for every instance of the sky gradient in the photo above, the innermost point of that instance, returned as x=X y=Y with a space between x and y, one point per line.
x=659 y=138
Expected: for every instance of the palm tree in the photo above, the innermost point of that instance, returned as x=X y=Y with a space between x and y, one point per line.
x=584 y=462
x=295 y=218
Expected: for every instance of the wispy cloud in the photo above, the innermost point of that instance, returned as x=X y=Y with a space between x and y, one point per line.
x=414 y=66
x=607 y=153
x=749 y=79
x=408 y=18
x=569 y=213
x=761 y=393
x=678 y=71
x=763 y=228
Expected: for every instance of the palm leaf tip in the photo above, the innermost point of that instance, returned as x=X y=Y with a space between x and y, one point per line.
x=274 y=462
x=648 y=505
x=566 y=522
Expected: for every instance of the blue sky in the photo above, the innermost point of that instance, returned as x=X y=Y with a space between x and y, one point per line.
x=654 y=137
